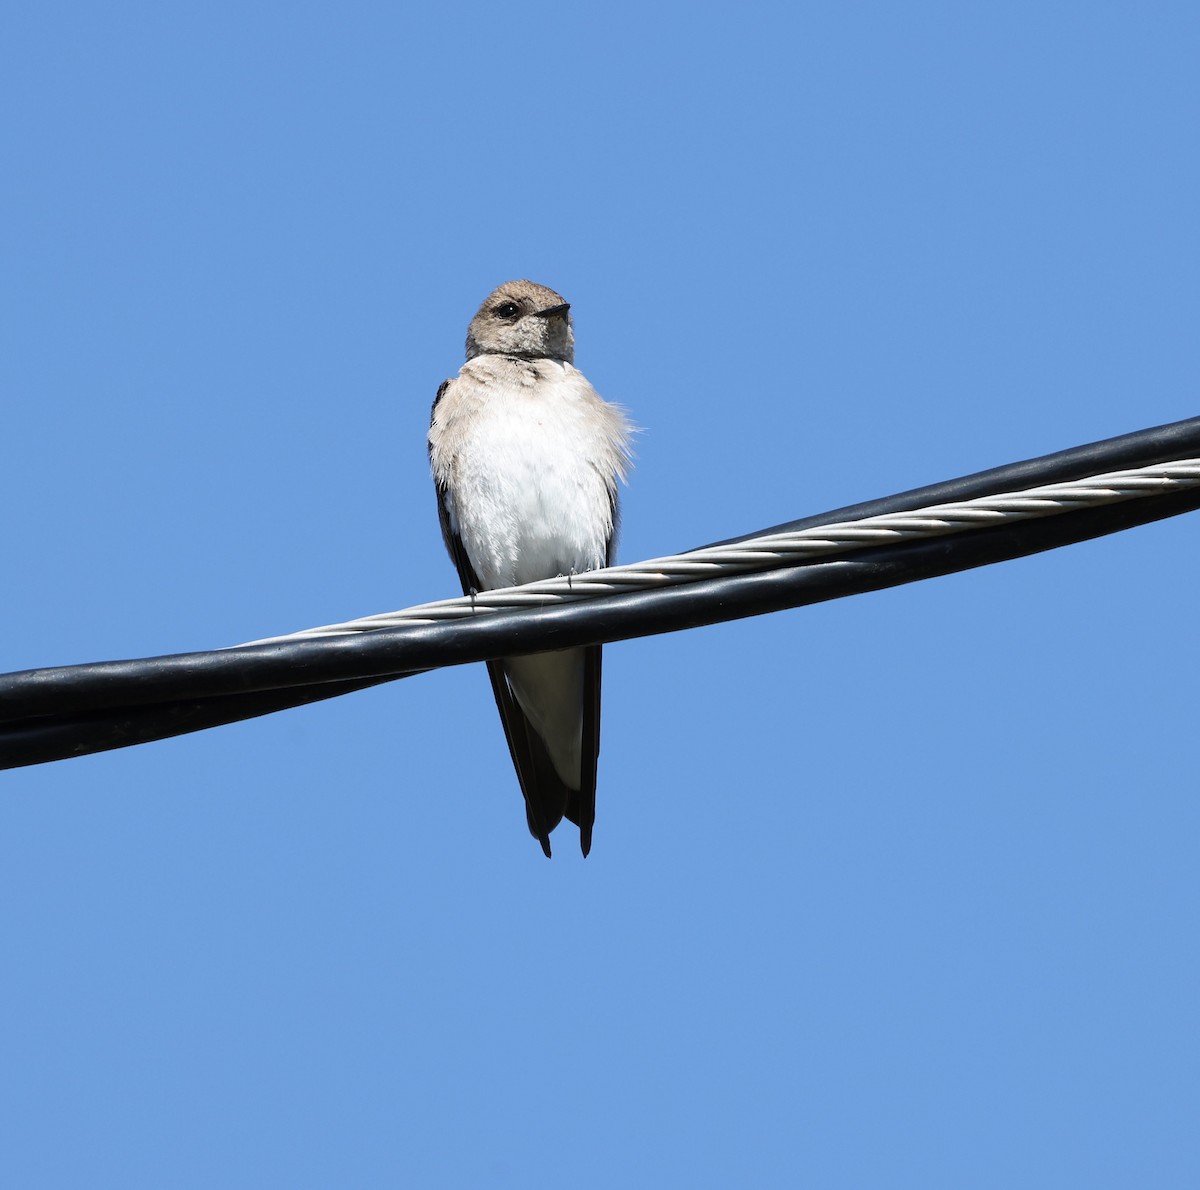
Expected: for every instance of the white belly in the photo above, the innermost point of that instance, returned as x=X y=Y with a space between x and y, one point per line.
x=530 y=501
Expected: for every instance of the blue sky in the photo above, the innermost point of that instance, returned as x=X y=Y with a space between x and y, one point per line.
x=899 y=891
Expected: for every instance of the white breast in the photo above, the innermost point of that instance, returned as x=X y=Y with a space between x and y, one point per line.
x=532 y=456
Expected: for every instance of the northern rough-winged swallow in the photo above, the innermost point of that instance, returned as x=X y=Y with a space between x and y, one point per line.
x=526 y=458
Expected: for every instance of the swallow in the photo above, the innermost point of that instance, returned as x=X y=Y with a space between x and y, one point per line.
x=526 y=457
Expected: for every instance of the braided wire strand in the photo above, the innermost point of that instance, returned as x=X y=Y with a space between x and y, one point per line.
x=773 y=551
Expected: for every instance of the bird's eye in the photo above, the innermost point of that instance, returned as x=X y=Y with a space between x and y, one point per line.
x=507 y=310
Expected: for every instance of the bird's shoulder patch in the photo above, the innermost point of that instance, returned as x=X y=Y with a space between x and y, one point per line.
x=441 y=392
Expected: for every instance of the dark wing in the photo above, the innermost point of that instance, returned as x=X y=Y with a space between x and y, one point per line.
x=546 y=797
x=581 y=806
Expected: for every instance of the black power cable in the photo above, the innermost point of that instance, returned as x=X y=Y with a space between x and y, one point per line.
x=51 y=714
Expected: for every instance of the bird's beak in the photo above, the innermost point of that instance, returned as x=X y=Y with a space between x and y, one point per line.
x=551 y=311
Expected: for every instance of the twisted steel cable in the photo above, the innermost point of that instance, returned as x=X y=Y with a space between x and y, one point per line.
x=1008 y=512
x=774 y=550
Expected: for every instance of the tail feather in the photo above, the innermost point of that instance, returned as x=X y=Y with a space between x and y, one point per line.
x=581 y=804
x=546 y=796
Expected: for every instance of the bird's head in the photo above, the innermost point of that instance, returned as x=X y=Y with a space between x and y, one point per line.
x=525 y=320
